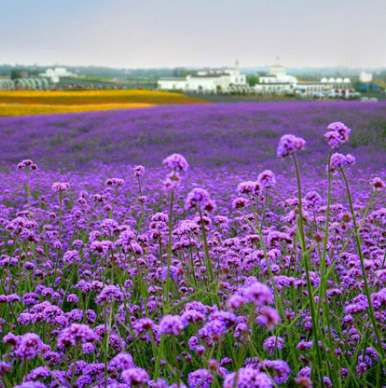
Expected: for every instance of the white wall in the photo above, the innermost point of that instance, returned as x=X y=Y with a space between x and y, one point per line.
x=205 y=84
x=172 y=84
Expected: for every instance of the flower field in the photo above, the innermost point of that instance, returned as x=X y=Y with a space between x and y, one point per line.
x=239 y=245
x=35 y=109
x=21 y=103
x=209 y=135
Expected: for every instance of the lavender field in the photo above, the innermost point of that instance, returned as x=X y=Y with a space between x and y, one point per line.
x=218 y=245
x=239 y=134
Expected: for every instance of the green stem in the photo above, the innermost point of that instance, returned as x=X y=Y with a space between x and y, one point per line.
x=306 y=265
x=29 y=195
x=367 y=289
x=169 y=260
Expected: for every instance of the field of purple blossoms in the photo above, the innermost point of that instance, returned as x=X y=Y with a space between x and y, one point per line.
x=200 y=277
x=209 y=135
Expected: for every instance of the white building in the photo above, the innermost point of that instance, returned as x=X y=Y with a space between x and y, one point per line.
x=56 y=74
x=316 y=89
x=276 y=81
x=365 y=77
x=208 y=81
x=326 y=87
x=277 y=75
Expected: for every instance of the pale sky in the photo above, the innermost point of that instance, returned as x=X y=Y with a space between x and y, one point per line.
x=170 y=33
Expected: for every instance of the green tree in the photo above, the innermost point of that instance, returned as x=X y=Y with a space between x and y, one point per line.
x=15 y=73
x=252 y=80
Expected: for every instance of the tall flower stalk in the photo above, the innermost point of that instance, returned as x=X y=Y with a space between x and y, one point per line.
x=315 y=323
x=364 y=274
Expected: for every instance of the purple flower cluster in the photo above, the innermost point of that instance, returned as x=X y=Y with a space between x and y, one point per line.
x=340 y=161
x=118 y=283
x=337 y=134
x=288 y=144
x=199 y=199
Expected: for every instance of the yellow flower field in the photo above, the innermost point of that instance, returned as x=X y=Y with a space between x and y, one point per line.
x=94 y=97
x=34 y=109
x=31 y=102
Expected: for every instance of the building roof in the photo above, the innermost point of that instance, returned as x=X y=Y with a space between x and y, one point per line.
x=313 y=83
x=209 y=75
x=172 y=79
x=275 y=83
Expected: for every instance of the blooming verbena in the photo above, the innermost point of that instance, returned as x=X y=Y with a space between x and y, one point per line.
x=139 y=171
x=303 y=378
x=337 y=134
x=110 y=294
x=176 y=162
x=76 y=334
x=122 y=361
x=108 y=291
x=259 y=294
x=267 y=179
x=247 y=378
x=340 y=161
x=201 y=378
x=27 y=164
x=240 y=203
x=288 y=144
x=378 y=184
x=5 y=367
x=268 y=317
x=249 y=188
x=26 y=346
x=135 y=377
x=279 y=368
x=199 y=199
x=60 y=187
x=171 y=325
x=172 y=181
x=273 y=343
x=115 y=182
x=31 y=384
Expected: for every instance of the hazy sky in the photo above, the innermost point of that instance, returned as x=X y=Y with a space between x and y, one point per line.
x=157 y=33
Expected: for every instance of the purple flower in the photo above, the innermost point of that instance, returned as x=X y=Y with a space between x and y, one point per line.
x=176 y=162
x=31 y=384
x=29 y=346
x=110 y=294
x=378 y=184
x=60 y=187
x=201 y=378
x=337 y=134
x=248 y=378
x=115 y=182
x=259 y=294
x=171 y=325
x=5 y=367
x=273 y=343
x=135 y=377
x=339 y=161
x=280 y=369
x=75 y=335
x=249 y=188
x=267 y=179
x=122 y=361
x=269 y=317
x=240 y=203
x=27 y=164
x=288 y=144
x=139 y=171
x=199 y=198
